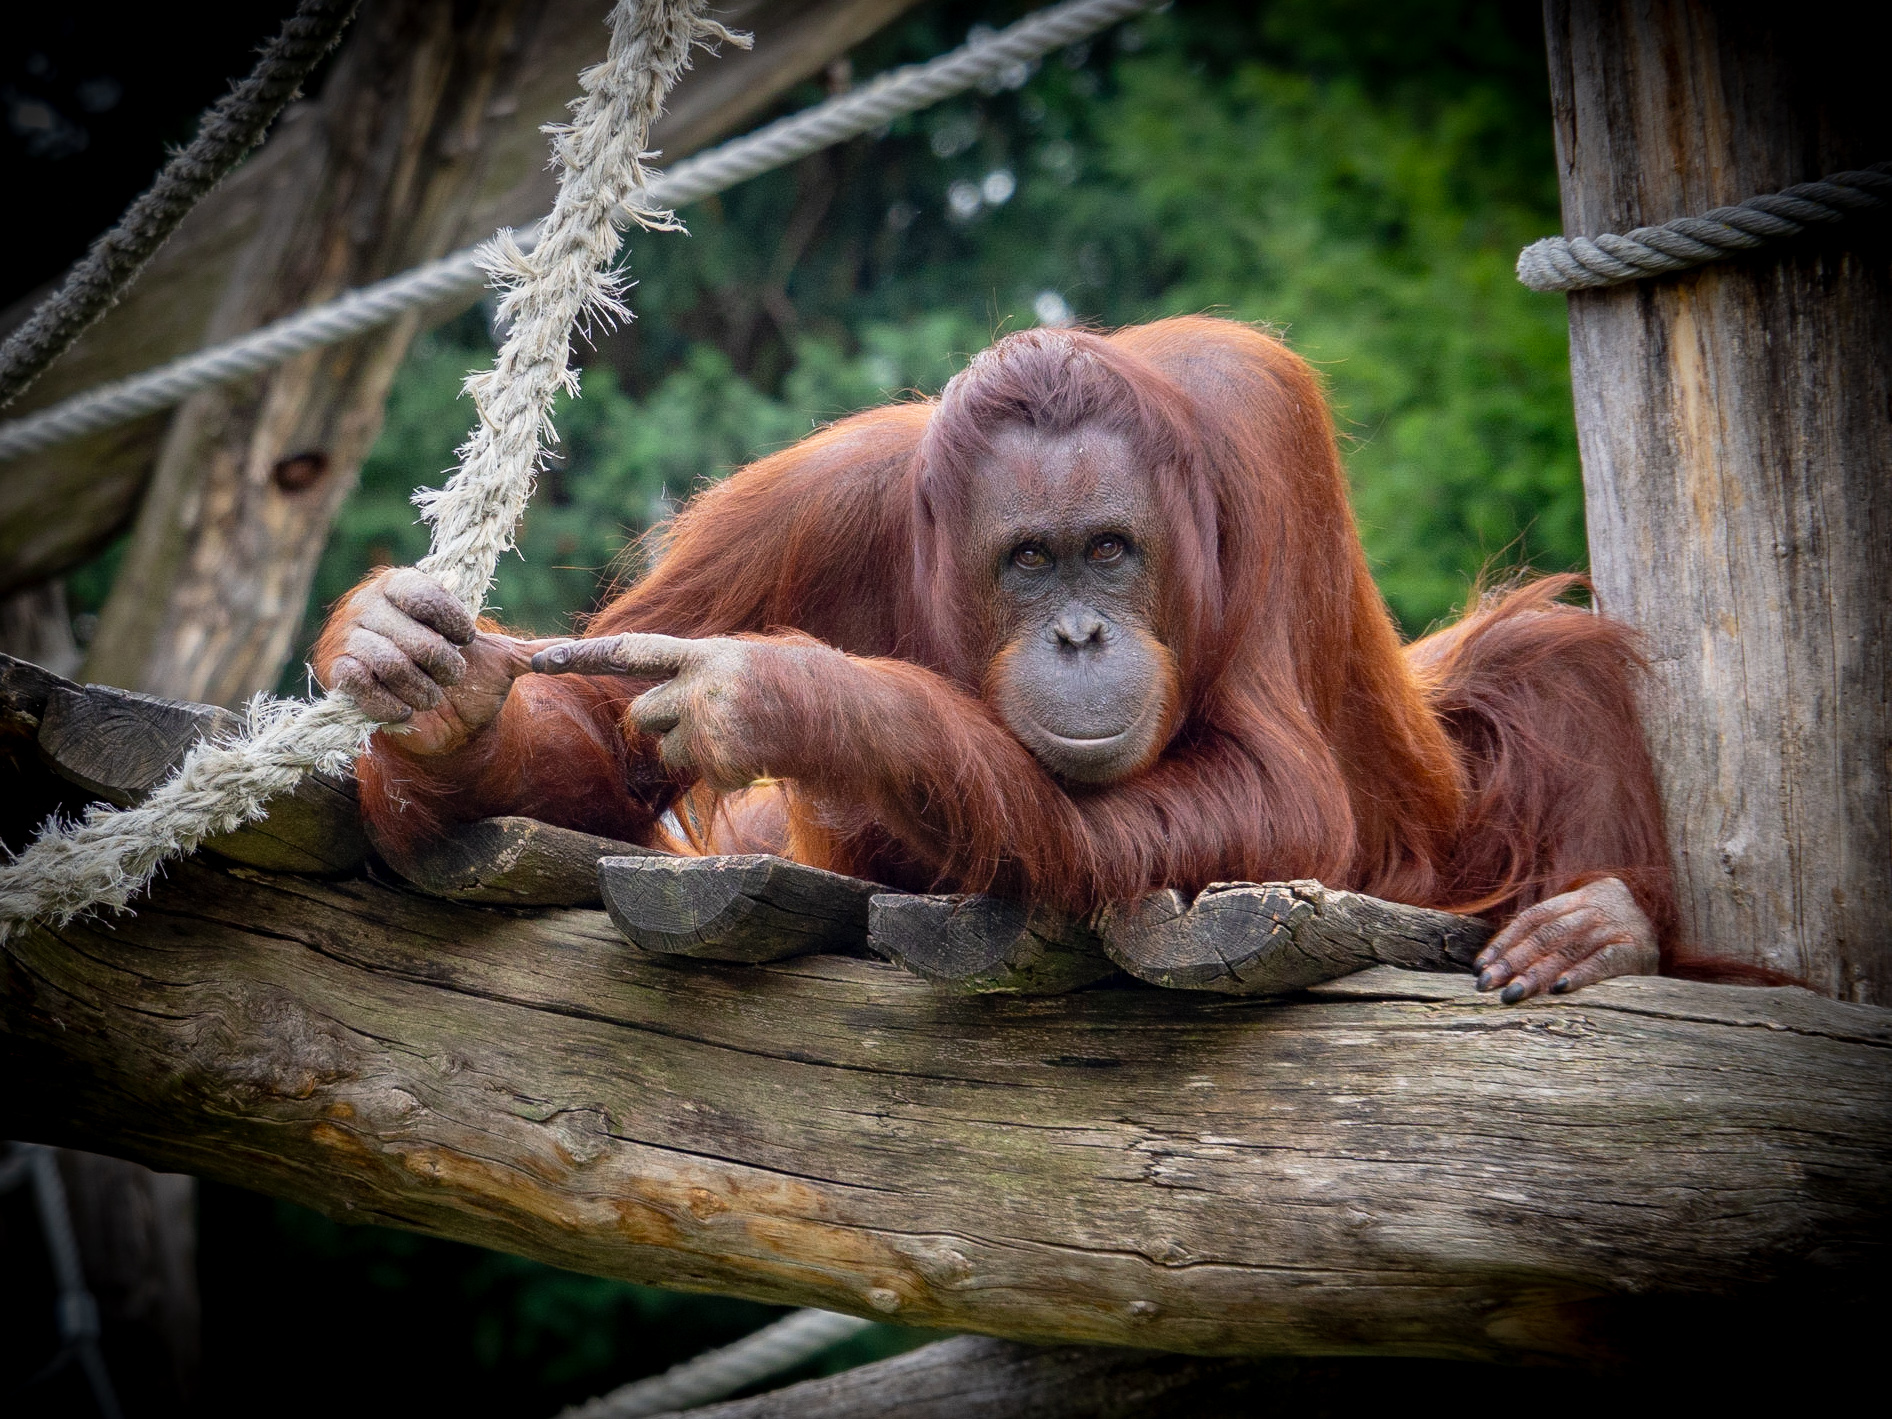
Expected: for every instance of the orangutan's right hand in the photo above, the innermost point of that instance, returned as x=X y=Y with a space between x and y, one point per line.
x=407 y=653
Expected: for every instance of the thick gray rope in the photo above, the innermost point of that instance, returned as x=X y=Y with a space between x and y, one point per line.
x=715 y=1374
x=891 y=96
x=233 y=126
x=103 y=861
x=1585 y=263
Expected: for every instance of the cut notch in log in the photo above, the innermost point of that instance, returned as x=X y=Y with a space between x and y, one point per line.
x=516 y=862
x=985 y=945
x=749 y=908
x=118 y=746
x=1244 y=938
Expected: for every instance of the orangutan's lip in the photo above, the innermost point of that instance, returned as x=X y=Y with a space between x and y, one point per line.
x=1086 y=746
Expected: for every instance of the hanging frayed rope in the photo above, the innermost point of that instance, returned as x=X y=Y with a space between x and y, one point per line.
x=1585 y=263
x=564 y=280
x=788 y=140
x=233 y=126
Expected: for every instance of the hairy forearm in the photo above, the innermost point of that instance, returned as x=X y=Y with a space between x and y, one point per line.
x=555 y=752
x=932 y=764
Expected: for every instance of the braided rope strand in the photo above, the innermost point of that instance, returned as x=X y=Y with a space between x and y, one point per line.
x=233 y=126
x=106 y=859
x=1587 y=263
x=785 y=141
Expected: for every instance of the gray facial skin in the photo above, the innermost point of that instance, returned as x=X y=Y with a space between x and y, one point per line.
x=1072 y=544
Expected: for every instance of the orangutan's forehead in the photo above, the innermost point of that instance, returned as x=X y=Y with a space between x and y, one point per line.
x=1075 y=476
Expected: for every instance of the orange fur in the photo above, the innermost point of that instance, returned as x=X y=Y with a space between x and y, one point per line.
x=1483 y=768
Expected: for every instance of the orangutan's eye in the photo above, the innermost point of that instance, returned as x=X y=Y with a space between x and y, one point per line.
x=1031 y=557
x=1107 y=549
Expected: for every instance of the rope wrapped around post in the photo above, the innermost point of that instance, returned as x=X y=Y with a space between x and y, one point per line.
x=1613 y=259
x=566 y=278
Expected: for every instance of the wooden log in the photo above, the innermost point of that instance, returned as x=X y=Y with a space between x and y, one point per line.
x=985 y=946
x=975 y=1377
x=1391 y=1164
x=1244 y=938
x=118 y=746
x=517 y=862
x=749 y=907
x=1736 y=429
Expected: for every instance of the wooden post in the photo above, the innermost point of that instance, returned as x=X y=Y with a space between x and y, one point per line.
x=1736 y=431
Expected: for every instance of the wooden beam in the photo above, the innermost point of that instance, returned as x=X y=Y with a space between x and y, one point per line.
x=1393 y=1164
x=1246 y=938
x=1736 y=430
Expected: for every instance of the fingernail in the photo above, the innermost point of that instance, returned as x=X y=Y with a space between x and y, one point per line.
x=1563 y=984
x=1512 y=993
x=551 y=659
x=1485 y=982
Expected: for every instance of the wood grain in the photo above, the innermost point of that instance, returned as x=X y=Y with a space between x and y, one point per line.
x=1393 y=1164
x=1246 y=938
x=517 y=862
x=1736 y=430
x=985 y=946
x=746 y=908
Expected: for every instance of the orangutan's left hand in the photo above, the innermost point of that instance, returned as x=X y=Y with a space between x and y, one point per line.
x=1572 y=940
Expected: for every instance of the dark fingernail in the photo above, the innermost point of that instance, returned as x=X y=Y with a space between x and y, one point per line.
x=1562 y=985
x=555 y=658
x=1485 y=981
x=1512 y=993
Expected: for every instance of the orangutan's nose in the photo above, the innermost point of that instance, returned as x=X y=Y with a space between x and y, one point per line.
x=1079 y=628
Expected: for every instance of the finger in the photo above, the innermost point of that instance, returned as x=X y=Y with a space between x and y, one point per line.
x=355 y=680
x=1527 y=949
x=1619 y=958
x=418 y=641
x=660 y=710
x=392 y=668
x=1546 y=957
x=1519 y=927
x=428 y=602
x=645 y=656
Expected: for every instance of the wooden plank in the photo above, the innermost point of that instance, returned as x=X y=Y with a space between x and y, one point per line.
x=984 y=946
x=1245 y=938
x=748 y=907
x=1736 y=430
x=315 y=829
x=119 y=744
x=518 y=862
x=1411 y=1169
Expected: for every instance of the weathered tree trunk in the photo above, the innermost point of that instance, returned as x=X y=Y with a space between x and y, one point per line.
x=425 y=137
x=1392 y=1164
x=1736 y=429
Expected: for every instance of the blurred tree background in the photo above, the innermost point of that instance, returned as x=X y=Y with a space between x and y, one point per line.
x=1357 y=174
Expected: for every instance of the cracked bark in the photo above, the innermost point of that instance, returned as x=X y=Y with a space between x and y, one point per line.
x=1390 y=1164
x=1736 y=430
